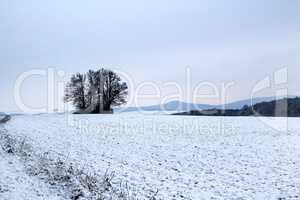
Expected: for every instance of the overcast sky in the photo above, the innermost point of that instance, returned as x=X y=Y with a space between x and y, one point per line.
x=221 y=42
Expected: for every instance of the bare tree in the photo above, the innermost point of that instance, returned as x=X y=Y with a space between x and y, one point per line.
x=96 y=91
x=75 y=91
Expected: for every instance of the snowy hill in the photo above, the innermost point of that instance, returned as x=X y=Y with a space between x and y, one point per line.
x=148 y=157
x=170 y=106
x=177 y=106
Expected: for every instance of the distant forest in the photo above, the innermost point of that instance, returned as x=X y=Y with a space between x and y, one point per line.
x=287 y=107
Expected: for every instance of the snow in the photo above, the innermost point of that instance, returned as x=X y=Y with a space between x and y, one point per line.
x=15 y=184
x=179 y=157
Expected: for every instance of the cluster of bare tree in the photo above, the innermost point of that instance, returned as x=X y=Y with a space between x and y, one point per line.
x=96 y=91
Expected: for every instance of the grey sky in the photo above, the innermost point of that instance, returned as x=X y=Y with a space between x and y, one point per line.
x=221 y=41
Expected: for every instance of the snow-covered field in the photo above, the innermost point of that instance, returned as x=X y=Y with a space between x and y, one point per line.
x=166 y=157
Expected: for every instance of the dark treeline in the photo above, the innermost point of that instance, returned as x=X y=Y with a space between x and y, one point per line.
x=287 y=107
x=96 y=91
